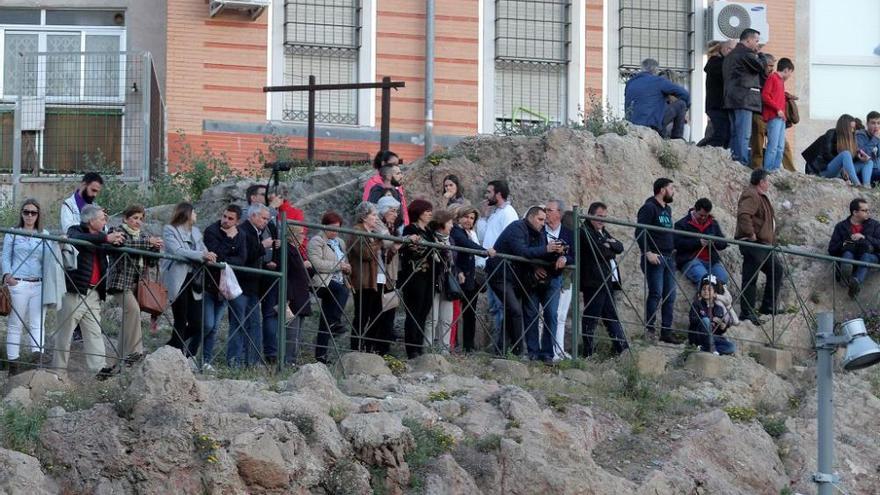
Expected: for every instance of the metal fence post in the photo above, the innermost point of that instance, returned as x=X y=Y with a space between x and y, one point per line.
x=576 y=284
x=282 y=292
x=146 y=107
x=16 y=151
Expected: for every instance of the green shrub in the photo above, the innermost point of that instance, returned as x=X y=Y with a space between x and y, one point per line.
x=430 y=442
x=668 y=157
x=439 y=395
x=21 y=428
x=396 y=366
x=741 y=414
x=774 y=425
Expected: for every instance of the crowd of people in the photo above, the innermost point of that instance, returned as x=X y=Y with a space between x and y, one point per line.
x=749 y=110
x=428 y=261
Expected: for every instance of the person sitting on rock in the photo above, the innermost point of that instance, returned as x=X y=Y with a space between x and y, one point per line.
x=857 y=237
x=709 y=321
x=646 y=103
x=695 y=256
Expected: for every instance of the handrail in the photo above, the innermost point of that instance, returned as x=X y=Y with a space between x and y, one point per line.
x=405 y=240
x=737 y=242
x=140 y=252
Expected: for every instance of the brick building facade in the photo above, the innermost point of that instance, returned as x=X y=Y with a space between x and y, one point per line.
x=217 y=66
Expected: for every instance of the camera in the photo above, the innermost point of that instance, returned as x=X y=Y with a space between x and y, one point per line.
x=278 y=166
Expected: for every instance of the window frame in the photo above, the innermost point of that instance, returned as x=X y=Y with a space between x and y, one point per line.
x=575 y=74
x=366 y=70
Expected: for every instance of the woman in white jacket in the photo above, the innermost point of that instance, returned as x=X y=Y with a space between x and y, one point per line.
x=32 y=273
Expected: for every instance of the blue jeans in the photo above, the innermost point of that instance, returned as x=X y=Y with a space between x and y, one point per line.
x=775 y=144
x=268 y=307
x=859 y=173
x=860 y=272
x=531 y=306
x=740 y=134
x=549 y=309
x=661 y=286
x=245 y=342
x=696 y=269
x=496 y=310
x=214 y=306
x=235 y=339
x=719 y=344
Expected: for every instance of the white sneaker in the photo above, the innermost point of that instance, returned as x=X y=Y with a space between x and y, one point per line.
x=207 y=368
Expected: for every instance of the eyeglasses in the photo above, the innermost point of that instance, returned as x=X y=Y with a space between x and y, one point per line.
x=30 y=213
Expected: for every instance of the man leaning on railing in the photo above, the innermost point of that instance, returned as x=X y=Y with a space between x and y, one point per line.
x=520 y=286
x=85 y=291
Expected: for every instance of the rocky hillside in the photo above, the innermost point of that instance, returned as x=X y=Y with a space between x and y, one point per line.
x=462 y=426
x=660 y=421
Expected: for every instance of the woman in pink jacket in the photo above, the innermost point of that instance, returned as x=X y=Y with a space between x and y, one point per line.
x=382 y=159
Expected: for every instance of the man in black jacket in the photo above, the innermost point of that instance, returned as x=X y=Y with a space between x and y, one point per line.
x=658 y=263
x=719 y=117
x=86 y=288
x=742 y=91
x=856 y=238
x=248 y=308
x=521 y=286
x=697 y=257
x=599 y=277
x=224 y=239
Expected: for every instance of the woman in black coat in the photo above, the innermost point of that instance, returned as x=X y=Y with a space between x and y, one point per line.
x=299 y=273
x=463 y=235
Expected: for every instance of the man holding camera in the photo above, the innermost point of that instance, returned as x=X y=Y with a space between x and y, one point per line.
x=521 y=286
x=558 y=297
x=855 y=238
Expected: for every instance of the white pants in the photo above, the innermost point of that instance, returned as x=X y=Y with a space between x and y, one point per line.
x=561 y=316
x=441 y=324
x=85 y=311
x=29 y=314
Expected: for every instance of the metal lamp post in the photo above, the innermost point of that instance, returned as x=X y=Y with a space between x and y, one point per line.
x=861 y=352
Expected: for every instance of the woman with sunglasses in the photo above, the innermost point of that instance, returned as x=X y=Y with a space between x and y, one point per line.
x=33 y=279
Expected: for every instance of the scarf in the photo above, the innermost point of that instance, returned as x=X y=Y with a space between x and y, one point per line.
x=134 y=234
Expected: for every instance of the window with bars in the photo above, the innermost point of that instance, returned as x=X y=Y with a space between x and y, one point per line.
x=322 y=38
x=532 y=53
x=658 y=29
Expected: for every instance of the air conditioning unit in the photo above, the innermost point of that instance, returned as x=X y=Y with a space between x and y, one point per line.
x=726 y=20
x=252 y=7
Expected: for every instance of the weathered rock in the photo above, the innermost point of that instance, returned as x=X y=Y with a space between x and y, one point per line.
x=706 y=364
x=430 y=363
x=726 y=457
x=21 y=473
x=369 y=386
x=505 y=369
x=446 y=477
x=275 y=456
x=20 y=396
x=362 y=363
x=378 y=439
x=650 y=361
x=164 y=377
x=38 y=382
x=777 y=360
x=348 y=477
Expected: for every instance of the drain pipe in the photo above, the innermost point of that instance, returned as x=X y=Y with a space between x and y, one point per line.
x=429 y=76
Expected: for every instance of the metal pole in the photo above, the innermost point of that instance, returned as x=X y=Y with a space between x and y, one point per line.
x=311 y=138
x=429 y=77
x=385 y=136
x=146 y=108
x=576 y=284
x=824 y=477
x=16 y=151
x=282 y=291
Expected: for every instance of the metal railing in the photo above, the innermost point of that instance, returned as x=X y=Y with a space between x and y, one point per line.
x=516 y=316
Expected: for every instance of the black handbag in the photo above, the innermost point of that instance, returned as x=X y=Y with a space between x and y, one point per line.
x=451 y=289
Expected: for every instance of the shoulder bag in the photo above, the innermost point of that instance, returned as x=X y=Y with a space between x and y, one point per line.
x=152 y=296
